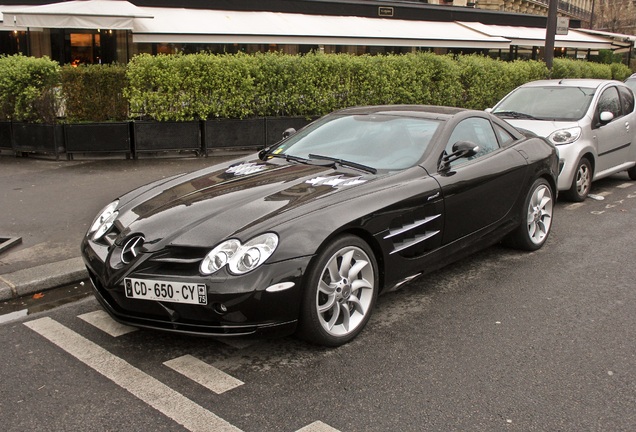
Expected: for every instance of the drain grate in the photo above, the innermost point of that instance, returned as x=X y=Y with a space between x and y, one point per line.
x=9 y=242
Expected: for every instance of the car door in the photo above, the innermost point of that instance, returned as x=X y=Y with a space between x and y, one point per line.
x=481 y=190
x=613 y=139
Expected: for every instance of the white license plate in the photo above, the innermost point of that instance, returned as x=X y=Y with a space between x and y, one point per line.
x=167 y=291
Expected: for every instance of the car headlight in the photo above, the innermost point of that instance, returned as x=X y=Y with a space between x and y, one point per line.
x=565 y=136
x=104 y=221
x=239 y=258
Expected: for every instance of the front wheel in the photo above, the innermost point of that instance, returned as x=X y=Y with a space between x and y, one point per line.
x=536 y=218
x=342 y=286
x=581 y=183
x=632 y=173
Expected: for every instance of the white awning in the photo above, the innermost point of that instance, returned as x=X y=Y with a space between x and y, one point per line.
x=171 y=25
x=79 y=14
x=535 y=36
x=623 y=42
x=6 y=22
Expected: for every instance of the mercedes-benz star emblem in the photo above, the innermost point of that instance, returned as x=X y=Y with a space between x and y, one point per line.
x=131 y=249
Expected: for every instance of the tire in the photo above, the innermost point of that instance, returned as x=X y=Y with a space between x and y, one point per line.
x=536 y=218
x=342 y=287
x=632 y=173
x=581 y=183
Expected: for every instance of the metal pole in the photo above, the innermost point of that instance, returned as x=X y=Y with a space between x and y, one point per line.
x=549 y=35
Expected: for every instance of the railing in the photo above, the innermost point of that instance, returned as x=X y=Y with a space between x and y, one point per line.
x=568 y=8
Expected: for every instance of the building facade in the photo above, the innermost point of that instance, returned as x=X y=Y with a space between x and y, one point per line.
x=107 y=31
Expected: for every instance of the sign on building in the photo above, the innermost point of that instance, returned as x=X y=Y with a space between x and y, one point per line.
x=562 y=25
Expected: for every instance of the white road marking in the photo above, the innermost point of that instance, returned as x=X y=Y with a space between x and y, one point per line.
x=206 y=375
x=318 y=426
x=625 y=185
x=574 y=206
x=153 y=392
x=105 y=323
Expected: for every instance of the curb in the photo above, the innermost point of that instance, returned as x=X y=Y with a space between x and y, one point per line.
x=41 y=278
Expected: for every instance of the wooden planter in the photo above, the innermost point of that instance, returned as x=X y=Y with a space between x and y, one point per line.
x=150 y=136
x=38 y=138
x=107 y=137
x=5 y=135
x=234 y=133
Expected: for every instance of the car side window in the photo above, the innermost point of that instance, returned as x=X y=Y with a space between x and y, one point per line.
x=477 y=130
x=504 y=136
x=609 y=101
x=627 y=99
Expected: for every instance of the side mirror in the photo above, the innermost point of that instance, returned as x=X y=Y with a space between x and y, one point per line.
x=461 y=149
x=606 y=117
x=288 y=132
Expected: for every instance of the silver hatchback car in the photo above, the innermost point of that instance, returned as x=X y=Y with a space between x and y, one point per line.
x=592 y=122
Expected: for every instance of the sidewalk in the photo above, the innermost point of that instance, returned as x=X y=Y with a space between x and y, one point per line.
x=50 y=204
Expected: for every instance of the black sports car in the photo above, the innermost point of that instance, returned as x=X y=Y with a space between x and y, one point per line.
x=304 y=234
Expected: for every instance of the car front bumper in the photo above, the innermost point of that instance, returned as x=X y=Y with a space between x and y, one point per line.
x=236 y=305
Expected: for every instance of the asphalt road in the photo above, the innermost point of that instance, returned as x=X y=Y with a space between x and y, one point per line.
x=502 y=341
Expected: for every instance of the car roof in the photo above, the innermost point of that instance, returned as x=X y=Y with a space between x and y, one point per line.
x=571 y=82
x=424 y=111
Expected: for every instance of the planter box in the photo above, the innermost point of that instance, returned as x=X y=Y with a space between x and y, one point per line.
x=107 y=137
x=234 y=133
x=38 y=138
x=149 y=136
x=275 y=126
x=5 y=135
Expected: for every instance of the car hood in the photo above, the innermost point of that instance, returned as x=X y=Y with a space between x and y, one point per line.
x=208 y=206
x=543 y=128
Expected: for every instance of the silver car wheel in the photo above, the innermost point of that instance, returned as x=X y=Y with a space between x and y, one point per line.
x=583 y=180
x=345 y=291
x=540 y=214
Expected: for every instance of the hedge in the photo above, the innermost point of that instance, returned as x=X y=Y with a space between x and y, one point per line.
x=94 y=93
x=204 y=86
x=28 y=88
x=207 y=86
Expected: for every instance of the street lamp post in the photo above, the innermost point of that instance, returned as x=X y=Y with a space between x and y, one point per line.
x=549 y=34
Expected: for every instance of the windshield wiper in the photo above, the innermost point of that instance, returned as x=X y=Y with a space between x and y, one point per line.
x=287 y=157
x=514 y=114
x=345 y=163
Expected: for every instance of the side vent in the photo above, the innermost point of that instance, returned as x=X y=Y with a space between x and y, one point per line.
x=411 y=234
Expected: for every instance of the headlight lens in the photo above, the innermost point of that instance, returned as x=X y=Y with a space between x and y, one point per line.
x=565 y=136
x=104 y=221
x=240 y=258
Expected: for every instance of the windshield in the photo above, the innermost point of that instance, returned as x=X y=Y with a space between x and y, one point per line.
x=380 y=141
x=556 y=103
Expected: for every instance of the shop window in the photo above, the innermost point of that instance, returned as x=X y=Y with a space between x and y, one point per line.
x=85 y=48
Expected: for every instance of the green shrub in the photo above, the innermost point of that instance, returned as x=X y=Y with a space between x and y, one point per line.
x=620 y=71
x=28 y=89
x=94 y=93
x=204 y=86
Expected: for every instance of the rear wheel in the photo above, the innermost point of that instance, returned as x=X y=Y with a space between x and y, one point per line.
x=632 y=173
x=536 y=218
x=581 y=183
x=341 y=291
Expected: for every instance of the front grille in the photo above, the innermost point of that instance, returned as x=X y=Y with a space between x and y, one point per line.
x=176 y=261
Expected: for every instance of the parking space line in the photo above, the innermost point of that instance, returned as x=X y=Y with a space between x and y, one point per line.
x=202 y=373
x=151 y=391
x=625 y=185
x=318 y=426
x=105 y=323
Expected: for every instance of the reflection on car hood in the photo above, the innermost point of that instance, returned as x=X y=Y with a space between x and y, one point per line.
x=543 y=128
x=214 y=204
